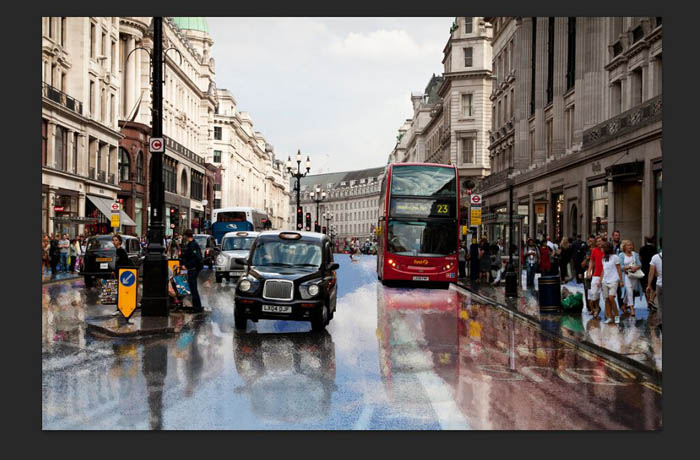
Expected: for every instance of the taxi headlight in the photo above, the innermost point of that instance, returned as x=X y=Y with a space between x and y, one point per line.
x=220 y=260
x=313 y=289
x=244 y=285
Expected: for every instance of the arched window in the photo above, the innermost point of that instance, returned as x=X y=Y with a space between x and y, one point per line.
x=183 y=184
x=124 y=164
x=139 y=168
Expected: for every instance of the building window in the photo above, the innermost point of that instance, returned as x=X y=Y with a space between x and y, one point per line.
x=123 y=164
x=93 y=39
x=61 y=148
x=658 y=20
x=466 y=105
x=493 y=117
x=599 y=209
x=637 y=87
x=63 y=32
x=75 y=153
x=571 y=54
x=104 y=44
x=217 y=133
x=500 y=113
x=217 y=187
x=637 y=34
x=103 y=103
x=468 y=25
x=44 y=140
x=550 y=61
x=139 y=168
x=512 y=97
x=183 y=184
x=197 y=186
x=113 y=61
x=569 y=117
x=549 y=126
x=616 y=98
x=92 y=99
x=217 y=156
x=169 y=176
x=467 y=148
x=532 y=146
x=658 y=74
x=468 y=57
x=111 y=108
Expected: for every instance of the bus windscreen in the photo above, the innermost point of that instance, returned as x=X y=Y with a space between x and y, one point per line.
x=429 y=181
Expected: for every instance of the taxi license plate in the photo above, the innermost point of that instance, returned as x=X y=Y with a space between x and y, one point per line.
x=277 y=308
x=420 y=278
x=104 y=259
x=236 y=273
x=104 y=266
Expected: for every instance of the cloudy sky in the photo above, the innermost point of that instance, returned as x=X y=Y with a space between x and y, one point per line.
x=336 y=88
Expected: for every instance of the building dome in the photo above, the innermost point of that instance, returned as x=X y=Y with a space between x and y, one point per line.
x=194 y=23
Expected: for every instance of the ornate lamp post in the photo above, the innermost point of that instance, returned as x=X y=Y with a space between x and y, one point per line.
x=317 y=197
x=297 y=187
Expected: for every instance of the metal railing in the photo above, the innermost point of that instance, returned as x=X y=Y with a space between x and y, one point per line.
x=62 y=98
x=102 y=176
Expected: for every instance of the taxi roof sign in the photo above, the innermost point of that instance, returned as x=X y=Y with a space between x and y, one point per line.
x=290 y=235
x=241 y=233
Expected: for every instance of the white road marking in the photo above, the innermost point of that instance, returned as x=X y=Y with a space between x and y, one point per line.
x=365 y=417
x=447 y=411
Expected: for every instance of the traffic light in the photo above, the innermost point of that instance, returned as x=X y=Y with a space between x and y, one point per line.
x=316 y=227
x=300 y=218
x=308 y=221
x=324 y=229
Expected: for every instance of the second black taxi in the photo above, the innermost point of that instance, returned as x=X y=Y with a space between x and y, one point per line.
x=290 y=276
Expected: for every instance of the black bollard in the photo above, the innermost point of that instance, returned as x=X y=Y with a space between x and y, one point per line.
x=550 y=293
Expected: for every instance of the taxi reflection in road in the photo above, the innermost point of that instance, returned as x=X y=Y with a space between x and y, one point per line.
x=288 y=376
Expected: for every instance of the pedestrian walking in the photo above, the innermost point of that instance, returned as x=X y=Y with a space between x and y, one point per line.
x=612 y=279
x=80 y=252
x=54 y=256
x=173 y=247
x=545 y=259
x=595 y=273
x=565 y=256
x=462 y=260
x=577 y=257
x=484 y=260
x=532 y=259
x=655 y=272
x=192 y=261
x=646 y=252
x=630 y=263
x=45 y=259
x=72 y=256
x=64 y=246
x=122 y=260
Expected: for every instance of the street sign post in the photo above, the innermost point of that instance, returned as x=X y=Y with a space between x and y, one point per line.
x=115 y=215
x=126 y=294
x=475 y=216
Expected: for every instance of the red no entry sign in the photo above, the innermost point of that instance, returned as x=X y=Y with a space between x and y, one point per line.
x=156 y=145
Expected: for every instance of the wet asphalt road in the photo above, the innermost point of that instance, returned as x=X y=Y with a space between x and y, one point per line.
x=392 y=358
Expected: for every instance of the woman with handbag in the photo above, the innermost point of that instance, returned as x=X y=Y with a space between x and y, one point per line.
x=632 y=273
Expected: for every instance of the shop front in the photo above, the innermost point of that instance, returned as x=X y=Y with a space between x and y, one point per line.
x=100 y=210
x=65 y=207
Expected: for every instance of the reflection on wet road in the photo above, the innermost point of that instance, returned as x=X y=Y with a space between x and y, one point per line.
x=392 y=358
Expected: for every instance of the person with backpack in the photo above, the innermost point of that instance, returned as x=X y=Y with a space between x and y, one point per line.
x=192 y=261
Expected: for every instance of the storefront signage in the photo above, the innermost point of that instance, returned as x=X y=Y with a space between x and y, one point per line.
x=59 y=208
x=475 y=216
x=540 y=208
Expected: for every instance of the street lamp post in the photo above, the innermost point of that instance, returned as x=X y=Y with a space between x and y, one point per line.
x=314 y=196
x=511 y=276
x=155 y=265
x=298 y=175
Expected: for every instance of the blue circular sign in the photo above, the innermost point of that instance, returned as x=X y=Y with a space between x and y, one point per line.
x=127 y=279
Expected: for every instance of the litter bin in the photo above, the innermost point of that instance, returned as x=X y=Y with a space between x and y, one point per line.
x=550 y=293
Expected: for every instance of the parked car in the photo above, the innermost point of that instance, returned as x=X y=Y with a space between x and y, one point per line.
x=233 y=246
x=100 y=256
x=288 y=275
x=210 y=250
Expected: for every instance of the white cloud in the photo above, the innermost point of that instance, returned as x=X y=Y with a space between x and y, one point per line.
x=379 y=45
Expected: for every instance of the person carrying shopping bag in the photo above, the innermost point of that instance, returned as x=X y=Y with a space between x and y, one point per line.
x=631 y=265
x=192 y=261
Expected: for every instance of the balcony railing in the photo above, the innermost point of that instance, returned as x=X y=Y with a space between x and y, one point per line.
x=62 y=98
x=494 y=179
x=637 y=117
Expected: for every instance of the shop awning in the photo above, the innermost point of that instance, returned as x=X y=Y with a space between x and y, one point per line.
x=105 y=207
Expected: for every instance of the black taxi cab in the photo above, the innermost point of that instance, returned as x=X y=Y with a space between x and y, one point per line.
x=290 y=276
x=100 y=256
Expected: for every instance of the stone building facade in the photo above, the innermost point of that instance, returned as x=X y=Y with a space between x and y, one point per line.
x=580 y=136
x=351 y=204
x=250 y=173
x=79 y=129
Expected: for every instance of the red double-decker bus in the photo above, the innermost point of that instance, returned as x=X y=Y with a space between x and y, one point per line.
x=418 y=223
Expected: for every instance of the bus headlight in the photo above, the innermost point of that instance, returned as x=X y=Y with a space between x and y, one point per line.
x=244 y=285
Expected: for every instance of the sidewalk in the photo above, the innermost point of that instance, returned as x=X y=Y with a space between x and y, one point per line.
x=635 y=340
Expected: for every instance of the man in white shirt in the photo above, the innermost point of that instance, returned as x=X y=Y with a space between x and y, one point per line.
x=655 y=270
x=552 y=246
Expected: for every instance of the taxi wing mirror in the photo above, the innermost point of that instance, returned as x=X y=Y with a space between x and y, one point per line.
x=333 y=266
x=241 y=261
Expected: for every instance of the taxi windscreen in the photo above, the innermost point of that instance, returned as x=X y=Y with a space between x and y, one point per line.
x=297 y=253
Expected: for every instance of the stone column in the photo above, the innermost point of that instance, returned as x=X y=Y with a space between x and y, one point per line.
x=81 y=211
x=521 y=107
x=560 y=62
x=69 y=146
x=138 y=56
x=52 y=203
x=540 y=88
x=612 y=224
x=129 y=78
x=583 y=49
